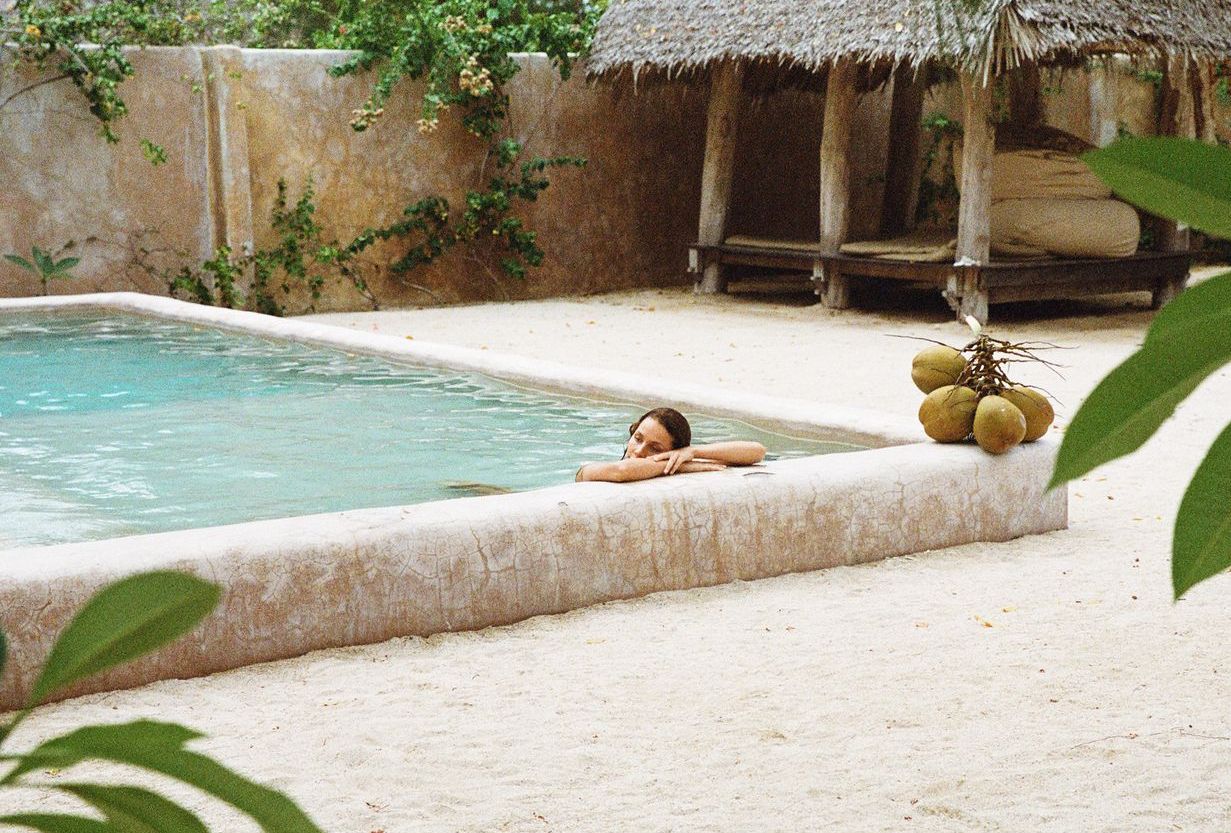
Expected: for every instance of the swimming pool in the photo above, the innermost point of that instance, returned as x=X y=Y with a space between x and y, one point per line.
x=295 y=584
x=114 y=424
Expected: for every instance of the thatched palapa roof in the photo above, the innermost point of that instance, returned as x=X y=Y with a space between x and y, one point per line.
x=671 y=37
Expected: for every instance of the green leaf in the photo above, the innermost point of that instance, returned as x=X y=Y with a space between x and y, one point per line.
x=56 y=823
x=42 y=259
x=134 y=809
x=1200 y=306
x=101 y=742
x=159 y=747
x=66 y=264
x=1201 y=545
x=21 y=261
x=1134 y=399
x=123 y=621
x=1177 y=178
x=154 y=154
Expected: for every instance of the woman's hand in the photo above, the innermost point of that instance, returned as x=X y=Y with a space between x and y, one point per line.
x=676 y=458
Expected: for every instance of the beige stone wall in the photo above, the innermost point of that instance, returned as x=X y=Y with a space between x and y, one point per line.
x=60 y=181
x=235 y=121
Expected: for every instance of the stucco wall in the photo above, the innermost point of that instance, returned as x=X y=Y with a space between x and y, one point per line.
x=235 y=121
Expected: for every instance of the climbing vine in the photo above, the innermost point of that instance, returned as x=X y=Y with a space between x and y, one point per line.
x=462 y=51
x=84 y=43
x=301 y=260
x=938 y=191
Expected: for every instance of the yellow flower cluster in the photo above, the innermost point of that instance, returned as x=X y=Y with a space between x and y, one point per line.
x=475 y=80
x=365 y=118
x=454 y=23
x=34 y=32
x=428 y=125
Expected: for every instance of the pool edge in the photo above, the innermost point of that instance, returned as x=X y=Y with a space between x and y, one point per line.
x=298 y=584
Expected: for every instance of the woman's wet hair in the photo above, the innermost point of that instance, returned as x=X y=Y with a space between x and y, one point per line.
x=674 y=423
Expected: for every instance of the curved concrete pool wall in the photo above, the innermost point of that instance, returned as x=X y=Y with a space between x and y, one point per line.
x=297 y=584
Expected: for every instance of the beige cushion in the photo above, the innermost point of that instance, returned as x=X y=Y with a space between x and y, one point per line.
x=1065 y=228
x=915 y=248
x=1039 y=174
x=755 y=242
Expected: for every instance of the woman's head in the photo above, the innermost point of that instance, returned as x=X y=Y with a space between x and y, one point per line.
x=656 y=431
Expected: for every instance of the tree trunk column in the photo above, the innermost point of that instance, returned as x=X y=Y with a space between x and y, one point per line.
x=720 y=133
x=902 y=170
x=841 y=98
x=1175 y=118
x=966 y=290
x=1202 y=81
x=1103 y=94
x=1169 y=237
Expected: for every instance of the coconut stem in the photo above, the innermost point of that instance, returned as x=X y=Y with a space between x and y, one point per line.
x=984 y=371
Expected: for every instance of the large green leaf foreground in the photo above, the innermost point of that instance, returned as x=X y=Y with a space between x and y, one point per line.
x=123 y=621
x=1176 y=178
x=1188 y=340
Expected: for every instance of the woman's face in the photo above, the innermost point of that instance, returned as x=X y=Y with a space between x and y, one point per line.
x=649 y=438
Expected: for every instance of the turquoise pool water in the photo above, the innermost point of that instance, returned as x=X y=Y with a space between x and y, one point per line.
x=120 y=425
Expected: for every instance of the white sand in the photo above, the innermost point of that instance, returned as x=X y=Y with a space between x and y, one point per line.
x=1046 y=684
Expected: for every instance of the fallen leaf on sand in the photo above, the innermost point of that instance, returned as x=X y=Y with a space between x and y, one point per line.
x=983 y=622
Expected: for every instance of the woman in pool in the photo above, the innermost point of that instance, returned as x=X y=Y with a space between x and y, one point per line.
x=660 y=443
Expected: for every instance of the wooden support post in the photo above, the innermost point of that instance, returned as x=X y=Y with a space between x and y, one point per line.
x=1202 y=83
x=974 y=210
x=720 y=134
x=902 y=170
x=1175 y=118
x=1173 y=108
x=841 y=98
x=1102 y=93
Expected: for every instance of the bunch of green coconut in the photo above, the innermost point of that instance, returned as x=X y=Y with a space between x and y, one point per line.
x=969 y=394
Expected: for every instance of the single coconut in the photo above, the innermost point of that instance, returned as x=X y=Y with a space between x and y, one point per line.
x=1035 y=407
x=999 y=425
x=948 y=413
x=936 y=366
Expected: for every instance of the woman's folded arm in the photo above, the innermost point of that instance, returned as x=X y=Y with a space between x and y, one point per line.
x=626 y=471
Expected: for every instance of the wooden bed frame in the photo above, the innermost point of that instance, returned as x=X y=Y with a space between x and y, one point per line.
x=968 y=289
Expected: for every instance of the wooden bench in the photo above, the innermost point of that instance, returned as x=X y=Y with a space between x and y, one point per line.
x=971 y=289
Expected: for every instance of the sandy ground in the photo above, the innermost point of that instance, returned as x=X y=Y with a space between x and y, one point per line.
x=1045 y=684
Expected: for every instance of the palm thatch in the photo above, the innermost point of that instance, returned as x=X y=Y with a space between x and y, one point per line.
x=671 y=37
